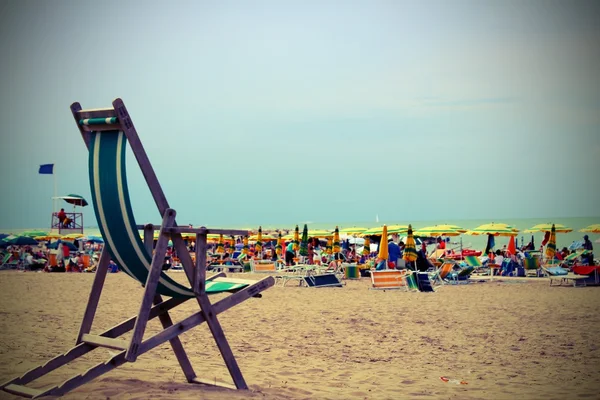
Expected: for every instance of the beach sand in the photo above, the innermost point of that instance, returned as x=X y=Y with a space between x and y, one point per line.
x=507 y=339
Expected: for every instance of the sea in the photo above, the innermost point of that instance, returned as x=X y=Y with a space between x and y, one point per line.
x=467 y=241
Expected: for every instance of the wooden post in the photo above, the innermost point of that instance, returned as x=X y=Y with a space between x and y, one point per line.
x=150 y=289
x=92 y=304
x=200 y=277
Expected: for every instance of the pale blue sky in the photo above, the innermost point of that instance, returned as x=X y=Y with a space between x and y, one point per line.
x=279 y=112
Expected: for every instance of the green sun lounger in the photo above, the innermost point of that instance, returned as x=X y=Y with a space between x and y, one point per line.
x=106 y=133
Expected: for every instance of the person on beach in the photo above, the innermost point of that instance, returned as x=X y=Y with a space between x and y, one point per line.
x=289 y=254
x=587 y=245
x=61 y=215
x=393 y=254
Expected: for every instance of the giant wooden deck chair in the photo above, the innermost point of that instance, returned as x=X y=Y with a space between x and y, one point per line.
x=106 y=132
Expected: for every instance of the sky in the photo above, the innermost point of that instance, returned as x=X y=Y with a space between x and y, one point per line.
x=274 y=113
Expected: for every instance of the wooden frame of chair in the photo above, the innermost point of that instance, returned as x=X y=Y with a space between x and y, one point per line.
x=152 y=304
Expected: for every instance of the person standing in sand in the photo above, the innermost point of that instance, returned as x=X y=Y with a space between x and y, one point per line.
x=587 y=245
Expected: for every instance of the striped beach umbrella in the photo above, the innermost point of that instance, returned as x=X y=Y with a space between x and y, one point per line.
x=367 y=249
x=245 y=247
x=34 y=233
x=279 y=246
x=494 y=229
x=410 y=248
x=296 y=239
x=440 y=230
x=319 y=233
x=595 y=228
x=304 y=243
x=258 y=245
x=336 y=240
x=355 y=230
x=383 y=253
x=329 y=245
x=378 y=231
x=551 y=246
x=220 y=248
x=558 y=228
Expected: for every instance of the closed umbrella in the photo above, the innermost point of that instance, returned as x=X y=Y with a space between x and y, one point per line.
x=383 y=253
x=296 y=239
x=220 y=248
x=367 y=247
x=512 y=247
x=410 y=249
x=336 y=240
x=304 y=243
x=245 y=247
x=258 y=245
x=329 y=245
x=279 y=246
x=551 y=246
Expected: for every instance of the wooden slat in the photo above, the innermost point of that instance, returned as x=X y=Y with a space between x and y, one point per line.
x=235 y=280
x=92 y=304
x=198 y=318
x=88 y=375
x=96 y=113
x=23 y=391
x=141 y=156
x=101 y=127
x=199 y=285
x=75 y=110
x=102 y=341
x=150 y=288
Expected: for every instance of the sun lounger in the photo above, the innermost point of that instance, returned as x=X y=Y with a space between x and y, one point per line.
x=461 y=276
x=562 y=275
x=390 y=279
x=106 y=133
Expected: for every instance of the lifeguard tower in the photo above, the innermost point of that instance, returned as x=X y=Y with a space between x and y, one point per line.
x=73 y=223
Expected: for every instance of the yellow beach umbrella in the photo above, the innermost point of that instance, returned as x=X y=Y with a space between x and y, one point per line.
x=551 y=246
x=72 y=236
x=296 y=238
x=336 y=240
x=410 y=248
x=548 y=227
x=329 y=246
x=352 y=231
x=591 y=229
x=367 y=247
x=319 y=233
x=255 y=238
x=383 y=247
x=220 y=248
x=258 y=245
x=378 y=231
x=494 y=229
x=245 y=247
x=440 y=230
x=279 y=246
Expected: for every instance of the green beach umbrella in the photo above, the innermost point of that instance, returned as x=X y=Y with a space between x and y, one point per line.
x=355 y=230
x=296 y=239
x=304 y=243
x=440 y=230
x=390 y=229
x=21 y=241
x=551 y=246
x=258 y=245
x=558 y=228
x=494 y=229
x=336 y=240
x=279 y=246
x=34 y=233
x=410 y=248
x=367 y=247
x=245 y=247
x=220 y=248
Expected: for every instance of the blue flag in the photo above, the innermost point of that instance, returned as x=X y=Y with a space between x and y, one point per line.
x=46 y=169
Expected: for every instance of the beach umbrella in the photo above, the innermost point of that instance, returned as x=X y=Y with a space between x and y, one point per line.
x=378 y=231
x=258 y=245
x=551 y=246
x=490 y=244
x=595 y=228
x=94 y=239
x=21 y=241
x=296 y=239
x=440 y=230
x=220 y=248
x=304 y=242
x=367 y=246
x=245 y=247
x=279 y=246
x=494 y=229
x=512 y=247
x=75 y=199
x=70 y=245
x=352 y=231
x=383 y=253
x=34 y=233
x=336 y=240
x=264 y=237
x=410 y=249
x=72 y=236
x=329 y=245
x=319 y=233
x=548 y=227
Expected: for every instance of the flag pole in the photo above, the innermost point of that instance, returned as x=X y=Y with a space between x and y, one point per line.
x=55 y=192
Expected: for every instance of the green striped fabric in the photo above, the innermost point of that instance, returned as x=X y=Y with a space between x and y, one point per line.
x=473 y=261
x=98 y=121
x=531 y=263
x=110 y=196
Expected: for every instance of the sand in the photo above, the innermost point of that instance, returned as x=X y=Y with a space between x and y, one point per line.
x=506 y=339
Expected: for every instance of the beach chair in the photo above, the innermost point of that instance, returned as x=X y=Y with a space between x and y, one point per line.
x=461 y=276
x=106 y=132
x=532 y=266
x=440 y=274
x=473 y=261
x=390 y=279
x=261 y=266
x=562 y=275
